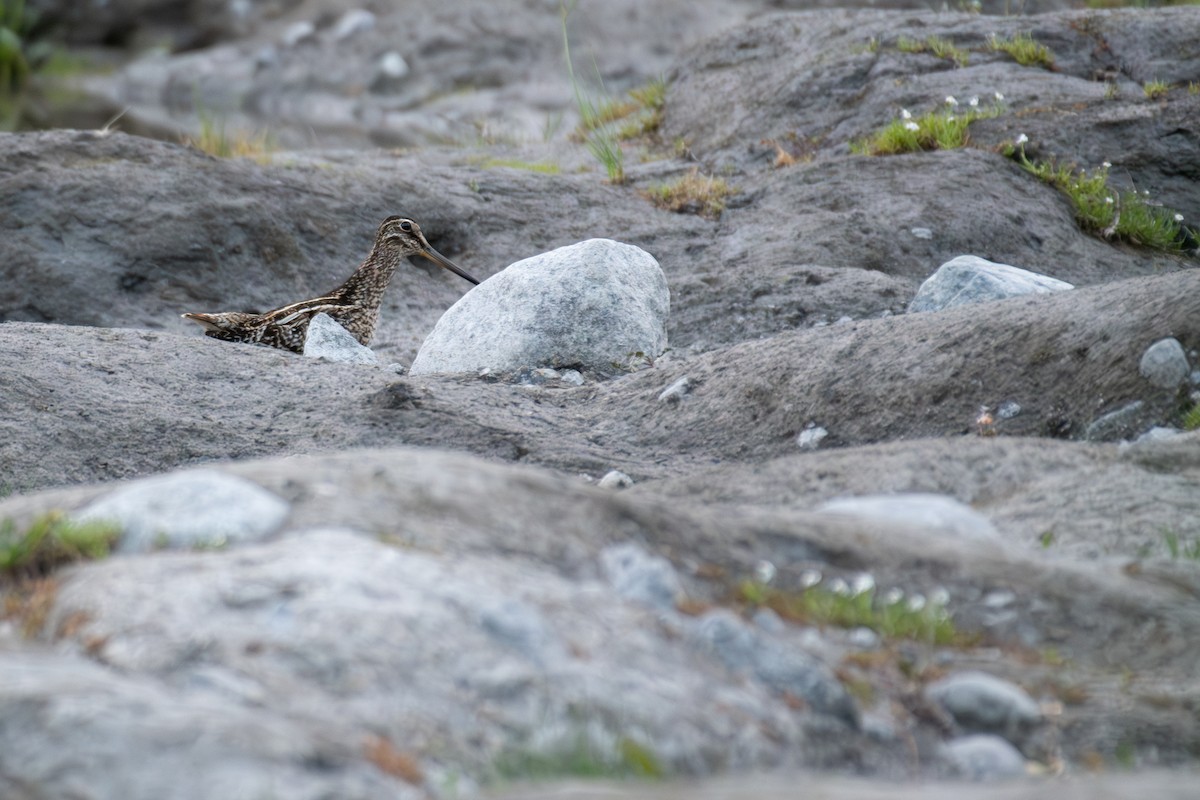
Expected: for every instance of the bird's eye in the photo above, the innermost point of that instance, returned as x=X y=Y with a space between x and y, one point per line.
x=406 y=226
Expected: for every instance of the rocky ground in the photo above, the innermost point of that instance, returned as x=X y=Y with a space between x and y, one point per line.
x=345 y=580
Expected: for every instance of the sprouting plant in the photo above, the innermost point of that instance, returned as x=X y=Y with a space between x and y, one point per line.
x=214 y=140
x=1191 y=418
x=51 y=540
x=1155 y=89
x=694 y=193
x=1193 y=87
x=942 y=129
x=1177 y=548
x=1101 y=209
x=14 y=25
x=602 y=141
x=936 y=46
x=1024 y=50
x=1112 y=91
x=857 y=604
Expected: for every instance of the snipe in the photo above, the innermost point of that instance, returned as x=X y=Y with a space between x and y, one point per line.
x=354 y=304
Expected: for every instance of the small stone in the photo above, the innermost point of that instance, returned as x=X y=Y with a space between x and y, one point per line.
x=615 y=479
x=1008 y=409
x=999 y=598
x=969 y=279
x=1115 y=424
x=642 y=577
x=983 y=757
x=863 y=639
x=297 y=33
x=390 y=73
x=922 y=233
x=196 y=508
x=811 y=437
x=986 y=704
x=1165 y=364
x=572 y=376
x=353 y=22
x=329 y=340
x=676 y=391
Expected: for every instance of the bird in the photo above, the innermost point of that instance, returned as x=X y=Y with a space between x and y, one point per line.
x=354 y=305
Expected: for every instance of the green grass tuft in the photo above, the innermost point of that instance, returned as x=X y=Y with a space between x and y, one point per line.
x=693 y=193
x=1155 y=90
x=580 y=758
x=1100 y=209
x=1179 y=549
x=1024 y=50
x=50 y=541
x=936 y=46
x=529 y=166
x=1191 y=418
x=900 y=619
x=214 y=140
x=943 y=129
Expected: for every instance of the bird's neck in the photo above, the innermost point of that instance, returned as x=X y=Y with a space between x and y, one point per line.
x=368 y=283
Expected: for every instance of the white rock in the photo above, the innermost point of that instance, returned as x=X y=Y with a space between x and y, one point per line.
x=195 y=508
x=327 y=339
x=298 y=32
x=811 y=437
x=353 y=22
x=1165 y=364
x=676 y=391
x=615 y=479
x=592 y=304
x=932 y=512
x=970 y=279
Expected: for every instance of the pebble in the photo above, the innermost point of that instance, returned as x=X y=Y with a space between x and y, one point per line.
x=353 y=22
x=615 y=479
x=983 y=757
x=811 y=437
x=297 y=33
x=676 y=391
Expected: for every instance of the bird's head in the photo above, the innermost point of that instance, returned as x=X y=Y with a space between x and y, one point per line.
x=406 y=235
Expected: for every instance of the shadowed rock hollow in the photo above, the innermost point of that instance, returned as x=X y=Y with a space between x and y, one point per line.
x=440 y=595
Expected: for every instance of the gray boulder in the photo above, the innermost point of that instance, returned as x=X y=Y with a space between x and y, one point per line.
x=983 y=703
x=970 y=279
x=983 y=757
x=194 y=509
x=327 y=339
x=600 y=305
x=1165 y=364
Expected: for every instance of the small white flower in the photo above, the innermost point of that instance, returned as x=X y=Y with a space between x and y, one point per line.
x=862 y=584
x=950 y=118
x=998 y=96
x=950 y=101
x=810 y=578
x=1022 y=139
x=1145 y=192
x=764 y=571
x=1179 y=217
x=839 y=586
x=939 y=596
x=1108 y=199
x=905 y=113
x=1106 y=164
x=974 y=101
x=893 y=596
x=916 y=602
x=912 y=126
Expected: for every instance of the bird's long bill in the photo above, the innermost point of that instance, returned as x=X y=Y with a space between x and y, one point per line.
x=442 y=261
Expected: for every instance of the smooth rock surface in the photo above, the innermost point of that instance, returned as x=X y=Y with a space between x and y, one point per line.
x=596 y=305
x=969 y=279
x=930 y=512
x=983 y=703
x=195 y=509
x=329 y=340
x=983 y=757
x=1165 y=364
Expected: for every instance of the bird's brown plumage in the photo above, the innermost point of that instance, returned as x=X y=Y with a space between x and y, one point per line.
x=354 y=304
